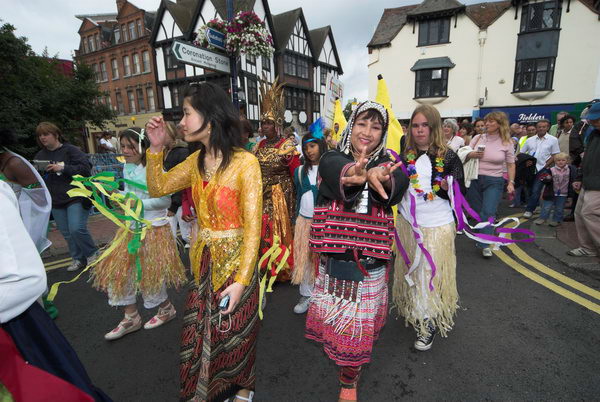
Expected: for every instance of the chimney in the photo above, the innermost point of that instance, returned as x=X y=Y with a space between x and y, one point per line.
x=120 y=4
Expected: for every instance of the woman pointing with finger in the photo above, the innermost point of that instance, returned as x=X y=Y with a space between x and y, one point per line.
x=352 y=232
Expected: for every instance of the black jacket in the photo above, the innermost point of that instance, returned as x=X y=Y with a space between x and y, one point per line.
x=174 y=157
x=76 y=163
x=524 y=175
x=590 y=165
x=452 y=166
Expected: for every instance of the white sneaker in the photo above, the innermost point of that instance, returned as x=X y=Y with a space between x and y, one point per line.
x=76 y=265
x=527 y=214
x=302 y=305
x=487 y=252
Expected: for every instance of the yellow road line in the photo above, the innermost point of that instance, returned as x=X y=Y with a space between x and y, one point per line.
x=520 y=254
x=546 y=283
x=57 y=262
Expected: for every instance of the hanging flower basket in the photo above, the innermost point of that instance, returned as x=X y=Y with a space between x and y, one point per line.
x=245 y=34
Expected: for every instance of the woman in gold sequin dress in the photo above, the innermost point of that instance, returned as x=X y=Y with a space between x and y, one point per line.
x=218 y=348
x=278 y=159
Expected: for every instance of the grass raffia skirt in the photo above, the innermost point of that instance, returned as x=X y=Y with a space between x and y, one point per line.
x=417 y=304
x=304 y=258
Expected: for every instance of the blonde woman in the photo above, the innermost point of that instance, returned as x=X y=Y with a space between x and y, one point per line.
x=424 y=289
x=495 y=150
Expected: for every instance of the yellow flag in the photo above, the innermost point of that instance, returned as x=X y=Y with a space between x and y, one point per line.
x=395 y=129
x=338 y=117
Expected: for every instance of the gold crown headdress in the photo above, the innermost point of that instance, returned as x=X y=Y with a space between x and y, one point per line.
x=272 y=102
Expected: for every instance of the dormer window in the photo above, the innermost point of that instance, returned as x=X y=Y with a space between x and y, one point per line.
x=540 y=16
x=434 y=31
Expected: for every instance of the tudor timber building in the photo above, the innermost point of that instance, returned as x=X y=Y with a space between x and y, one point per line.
x=302 y=58
x=116 y=47
x=529 y=59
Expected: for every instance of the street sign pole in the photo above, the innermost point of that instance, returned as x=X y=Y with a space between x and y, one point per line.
x=233 y=63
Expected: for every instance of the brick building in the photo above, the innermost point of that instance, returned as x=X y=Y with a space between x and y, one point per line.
x=116 y=47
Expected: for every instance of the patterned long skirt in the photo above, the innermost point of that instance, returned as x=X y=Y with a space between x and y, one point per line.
x=217 y=353
x=348 y=329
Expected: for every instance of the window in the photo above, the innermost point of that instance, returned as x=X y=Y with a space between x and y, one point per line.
x=132 y=32
x=139 y=28
x=295 y=99
x=431 y=83
x=136 y=63
x=146 y=61
x=115 y=68
x=540 y=16
x=250 y=59
x=91 y=44
x=316 y=103
x=324 y=76
x=103 y=72
x=131 y=100
x=124 y=32
x=252 y=92
x=126 y=66
x=117 y=34
x=84 y=46
x=97 y=41
x=150 y=96
x=170 y=59
x=266 y=63
x=534 y=75
x=432 y=32
x=109 y=102
x=175 y=96
x=96 y=73
x=140 y=99
x=120 y=105
x=295 y=65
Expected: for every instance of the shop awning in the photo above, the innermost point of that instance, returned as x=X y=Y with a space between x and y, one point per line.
x=434 y=62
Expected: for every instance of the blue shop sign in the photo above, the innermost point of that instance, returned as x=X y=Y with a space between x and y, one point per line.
x=531 y=114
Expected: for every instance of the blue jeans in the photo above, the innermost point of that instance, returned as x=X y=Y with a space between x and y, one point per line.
x=484 y=195
x=520 y=196
x=536 y=192
x=72 y=223
x=559 y=206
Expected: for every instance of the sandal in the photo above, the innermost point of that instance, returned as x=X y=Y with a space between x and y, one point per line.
x=348 y=394
x=128 y=324
x=164 y=315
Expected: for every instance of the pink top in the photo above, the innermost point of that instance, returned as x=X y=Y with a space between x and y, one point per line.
x=496 y=154
x=560 y=180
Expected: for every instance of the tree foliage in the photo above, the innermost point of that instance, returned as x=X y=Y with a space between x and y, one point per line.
x=35 y=89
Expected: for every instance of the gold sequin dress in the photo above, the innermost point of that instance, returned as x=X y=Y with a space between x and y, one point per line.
x=277 y=161
x=216 y=361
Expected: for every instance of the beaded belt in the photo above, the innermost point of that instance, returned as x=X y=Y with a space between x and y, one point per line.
x=208 y=234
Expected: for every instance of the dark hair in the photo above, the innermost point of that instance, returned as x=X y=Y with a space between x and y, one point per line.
x=8 y=137
x=133 y=134
x=469 y=127
x=371 y=114
x=477 y=120
x=308 y=137
x=247 y=127
x=216 y=109
x=567 y=117
x=530 y=124
x=543 y=121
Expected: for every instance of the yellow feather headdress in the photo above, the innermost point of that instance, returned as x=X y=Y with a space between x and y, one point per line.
x=272 y=102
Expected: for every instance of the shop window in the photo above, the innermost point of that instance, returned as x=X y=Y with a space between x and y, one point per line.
x=431 y=83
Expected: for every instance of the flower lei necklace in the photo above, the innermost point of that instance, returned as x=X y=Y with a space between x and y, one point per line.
x=411 y=158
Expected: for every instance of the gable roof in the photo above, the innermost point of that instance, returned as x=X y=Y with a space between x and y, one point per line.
x=391 y=22
x=436 y=7
x=484 y=14
x=182 y=12
x=593 y=5
x=318 y=37
x=283 y=25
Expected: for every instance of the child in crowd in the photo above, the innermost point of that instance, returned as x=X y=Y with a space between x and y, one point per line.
x=160 y=263
x=305 y=182
x=558 y=187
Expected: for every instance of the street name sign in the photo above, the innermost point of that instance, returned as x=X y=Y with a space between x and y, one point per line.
x=198 y=56
x=215 y=38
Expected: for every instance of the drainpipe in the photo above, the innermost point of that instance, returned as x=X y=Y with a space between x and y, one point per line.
x=482 y=37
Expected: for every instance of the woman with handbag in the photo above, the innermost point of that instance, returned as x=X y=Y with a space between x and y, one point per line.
x=352 y=232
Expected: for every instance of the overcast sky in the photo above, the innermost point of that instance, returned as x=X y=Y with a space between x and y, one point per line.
x=52 y=24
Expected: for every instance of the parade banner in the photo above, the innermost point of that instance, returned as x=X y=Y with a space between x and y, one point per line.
x=333 y=91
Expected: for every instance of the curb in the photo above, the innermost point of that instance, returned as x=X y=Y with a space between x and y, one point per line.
x=546 y=239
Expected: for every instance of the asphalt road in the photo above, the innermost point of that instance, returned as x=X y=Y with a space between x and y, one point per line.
x=513 y=340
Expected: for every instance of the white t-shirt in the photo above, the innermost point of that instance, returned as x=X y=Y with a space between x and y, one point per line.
x=541 y=149
x=22 y=274
x=456 y=142
x=107 y=144
x=154 y=208
x=307 y=202
x=436 y=212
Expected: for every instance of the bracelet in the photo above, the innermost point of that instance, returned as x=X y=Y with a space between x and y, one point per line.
x=511 y=181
